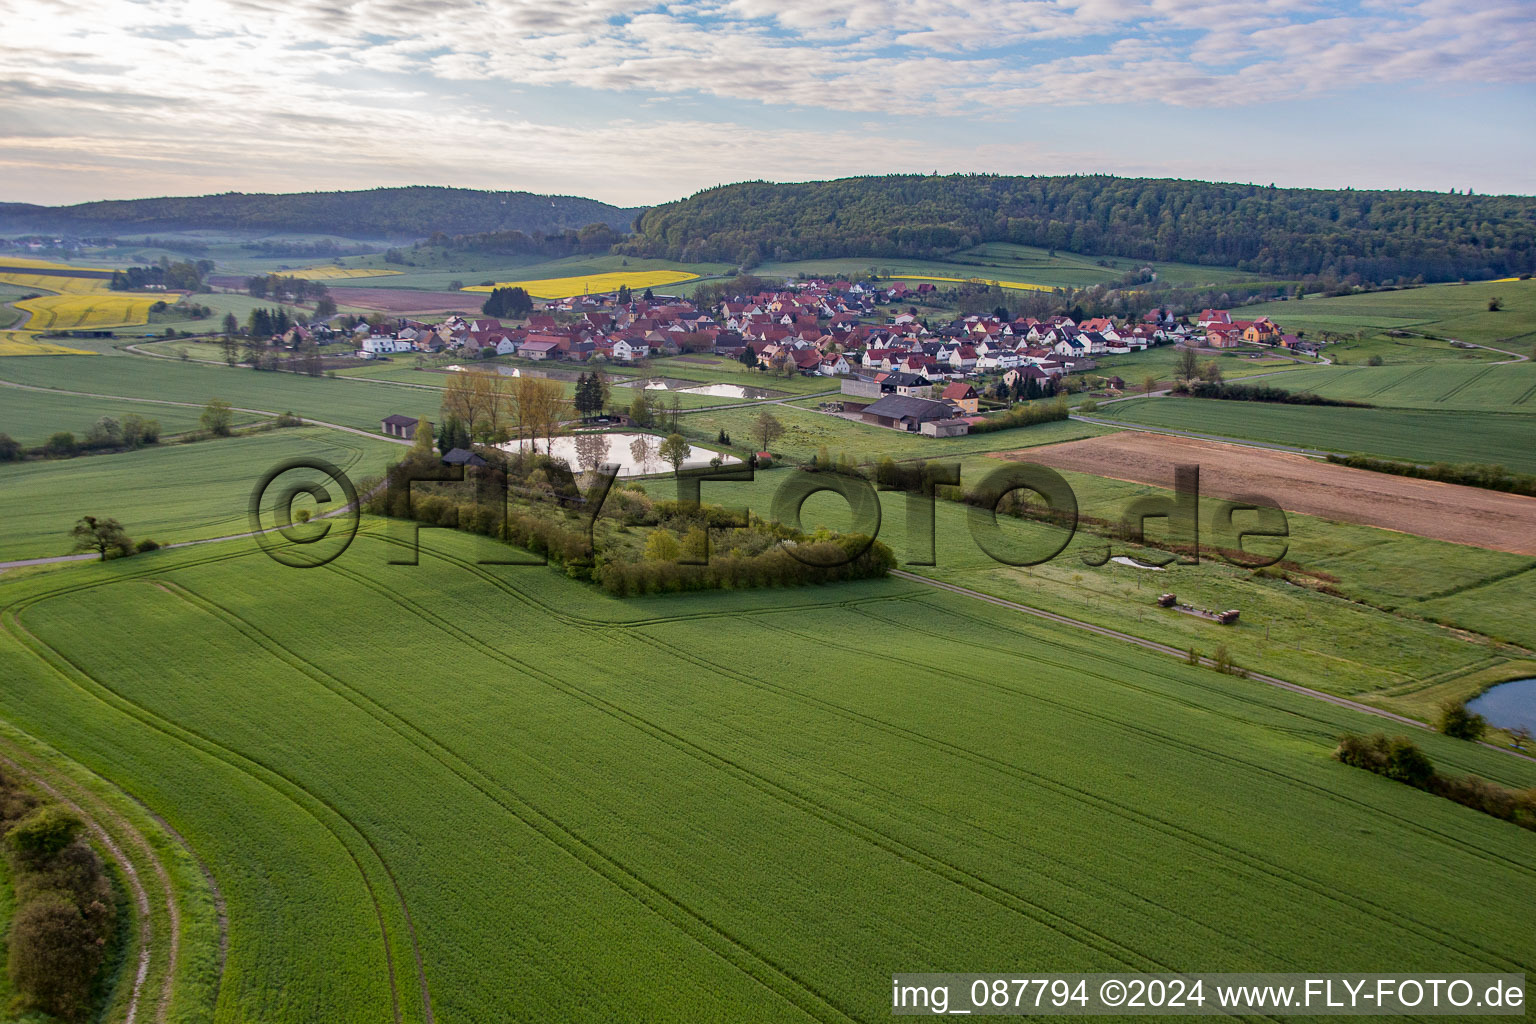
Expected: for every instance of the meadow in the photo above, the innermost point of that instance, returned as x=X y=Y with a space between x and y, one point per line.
x=1442 y=311
x=168 y=493
x=31 y=416
x=335 y=273
x=1418 y=435
x=1019 y=266
x=586 y=806
x=806 y=432
x=436 y=269
x=352 y=403
x=1479 y=386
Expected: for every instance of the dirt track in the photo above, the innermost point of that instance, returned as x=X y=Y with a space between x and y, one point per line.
x=1462 y=515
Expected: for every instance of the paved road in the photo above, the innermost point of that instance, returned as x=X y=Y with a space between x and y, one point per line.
x=1153 y=645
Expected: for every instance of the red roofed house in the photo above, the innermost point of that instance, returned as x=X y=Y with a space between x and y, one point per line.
x=962 y=395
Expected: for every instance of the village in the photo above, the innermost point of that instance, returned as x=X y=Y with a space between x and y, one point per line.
x=896 y=368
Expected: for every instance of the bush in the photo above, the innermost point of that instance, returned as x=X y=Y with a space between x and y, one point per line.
x=1022 y=416
x=61 y=445
x=146 y=545
x=1460 y=723
x=10 y=450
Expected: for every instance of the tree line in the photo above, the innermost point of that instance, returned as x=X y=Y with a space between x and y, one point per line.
x=1379 y=235
x=182 y=276
x=1492 y=477
x=414 y=211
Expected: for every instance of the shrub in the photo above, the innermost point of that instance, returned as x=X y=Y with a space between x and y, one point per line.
x=146 y=545
x=10 y=450
x=1460 y=723
x=43 y=833
x=61 y=445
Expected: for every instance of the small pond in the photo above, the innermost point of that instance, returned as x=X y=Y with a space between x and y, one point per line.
x=1508 y=705
x=587 y=451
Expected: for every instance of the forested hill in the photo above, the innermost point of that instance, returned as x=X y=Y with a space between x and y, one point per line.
x=1377 y=234
x=412 y=212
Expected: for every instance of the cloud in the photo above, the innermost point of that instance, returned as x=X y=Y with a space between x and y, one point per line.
x=536 y=90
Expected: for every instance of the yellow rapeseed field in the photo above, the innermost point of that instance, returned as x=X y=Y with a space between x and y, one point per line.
x=335 y=273
x=564 y=287
x=22 y=343
x=1022 y=286
x=89 y=311
x=49 y=283
x=17 y=261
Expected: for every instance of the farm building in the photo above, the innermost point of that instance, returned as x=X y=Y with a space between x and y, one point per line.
x=903 y=412
x=953 y=427
x=399 y=426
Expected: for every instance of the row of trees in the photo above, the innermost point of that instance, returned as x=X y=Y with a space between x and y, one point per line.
x=493 y=408
x=286 y=288
x=132 y=432
x=1493 y=477
x=183 y=276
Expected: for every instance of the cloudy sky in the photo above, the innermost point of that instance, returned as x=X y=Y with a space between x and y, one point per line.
x=636 y=104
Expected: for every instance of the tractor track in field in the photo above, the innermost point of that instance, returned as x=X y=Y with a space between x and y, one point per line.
x=670 y=908
x=10 y=620
x=1194 y=749
x=1218 y=849
x=1215 y=847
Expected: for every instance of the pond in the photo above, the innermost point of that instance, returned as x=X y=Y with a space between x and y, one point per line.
x=693 y=387
x=1508 y=705
x=587 y=451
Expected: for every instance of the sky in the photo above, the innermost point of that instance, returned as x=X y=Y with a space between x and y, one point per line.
x=638 y=104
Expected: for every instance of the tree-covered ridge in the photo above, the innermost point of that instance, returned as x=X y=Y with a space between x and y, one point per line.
x=415 y=211
x=1379 y=235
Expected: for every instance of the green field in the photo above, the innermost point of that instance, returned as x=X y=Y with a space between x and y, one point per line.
x=1443 y=311
x=1379 y=630
x=806 y=432
x=32 y=416
x=1412 y=434
x=1473 y=386
x=167 y=493
x=437 y=269
x=646 y=825
x=350 y=403
x=1005 y=261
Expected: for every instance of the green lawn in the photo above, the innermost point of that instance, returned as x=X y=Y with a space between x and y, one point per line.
x=724 y=806
x=1412 y=434
x=167 y=493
